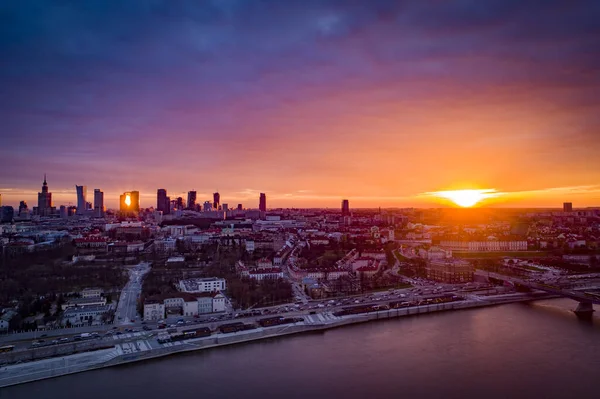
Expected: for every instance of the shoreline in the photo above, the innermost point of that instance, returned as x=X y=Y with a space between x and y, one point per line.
x=88 y=361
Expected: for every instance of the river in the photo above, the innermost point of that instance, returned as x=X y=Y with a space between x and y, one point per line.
x=537 y=350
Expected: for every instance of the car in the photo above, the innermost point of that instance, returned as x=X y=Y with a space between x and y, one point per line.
x=146 y=328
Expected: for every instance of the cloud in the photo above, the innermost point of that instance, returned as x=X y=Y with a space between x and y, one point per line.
x=344 y=97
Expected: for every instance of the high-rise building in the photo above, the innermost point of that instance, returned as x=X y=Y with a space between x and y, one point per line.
x=63 y=212
x=239 y=207
x=98 y=203
x=44 y=207
x=179 y=204
x=7 y=213
x=568 y=207
x=163 y=203
x=262 y=202
x=225 y=207
x=208 y=206
x=345 y=207
x=22 y=207
x=216 y=200
x=191 y=200
x=129 y=203
x=81 y=199
x=0 y=200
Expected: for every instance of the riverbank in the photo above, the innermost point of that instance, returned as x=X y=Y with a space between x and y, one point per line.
x=141 y=350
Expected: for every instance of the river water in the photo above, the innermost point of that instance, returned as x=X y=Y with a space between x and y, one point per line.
x=537 y=350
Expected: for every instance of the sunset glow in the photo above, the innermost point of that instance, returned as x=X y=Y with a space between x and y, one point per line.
x=466 y=198
x=310 y=102
x=128 y=200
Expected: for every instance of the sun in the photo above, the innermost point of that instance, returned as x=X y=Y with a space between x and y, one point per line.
x=466 y=198
x=127 y=200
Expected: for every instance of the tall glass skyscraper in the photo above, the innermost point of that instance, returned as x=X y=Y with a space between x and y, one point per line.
x=81 y=199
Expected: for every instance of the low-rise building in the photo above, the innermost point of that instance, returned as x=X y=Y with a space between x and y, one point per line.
x=81 y=316
x=450 y=270
x=91 y=292
x=99 y=243
x=264 y=273
x=84 y=302
x=208 y=284
x=184 y=304
x=153 y=310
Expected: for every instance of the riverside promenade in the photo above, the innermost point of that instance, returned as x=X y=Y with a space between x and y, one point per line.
x=148 y=349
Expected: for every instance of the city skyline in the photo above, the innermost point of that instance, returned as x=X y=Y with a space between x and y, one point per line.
x=311 y=102
x=251 y=198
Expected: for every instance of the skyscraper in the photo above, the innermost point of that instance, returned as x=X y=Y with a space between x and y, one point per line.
x=191 y=200
x=262 y=203
x=7 y=213
x=129 y=203
x=44 y=207
x=81 y=199
x=179 y=205
x=163 y=203
x=98 y=203
x=239 y=207
x=207 y=206
x=225 y=207
x=22 y=206
x=216 y=200
x=568 y=207
x=345 y=208
x=63 y=212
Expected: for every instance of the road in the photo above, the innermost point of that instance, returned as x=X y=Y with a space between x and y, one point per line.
x=126 y=308
x=126 y=311
x=297 y=290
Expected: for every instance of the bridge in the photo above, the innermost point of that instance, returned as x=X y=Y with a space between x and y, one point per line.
x=585 y=299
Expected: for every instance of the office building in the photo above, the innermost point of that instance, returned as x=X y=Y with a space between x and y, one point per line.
x=239 y=207
x=81 y=199
x=345 y=207
x=44 y=207
x=63 y=212
x=225 y=207
x=262 y=204
x=22 y=207
x=98 y=203
x=7 y=213
x=163 y=202
x=191 y=200
x=216 y=200
x=129 y=203
x=568 y=207
x=207 y=206
x=179 y=205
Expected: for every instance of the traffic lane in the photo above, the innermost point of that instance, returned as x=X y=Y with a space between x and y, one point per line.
x=273 y=310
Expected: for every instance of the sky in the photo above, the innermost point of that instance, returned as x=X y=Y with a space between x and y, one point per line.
x=380 y=102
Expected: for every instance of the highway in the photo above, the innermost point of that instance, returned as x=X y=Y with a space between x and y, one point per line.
x=126 y=312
